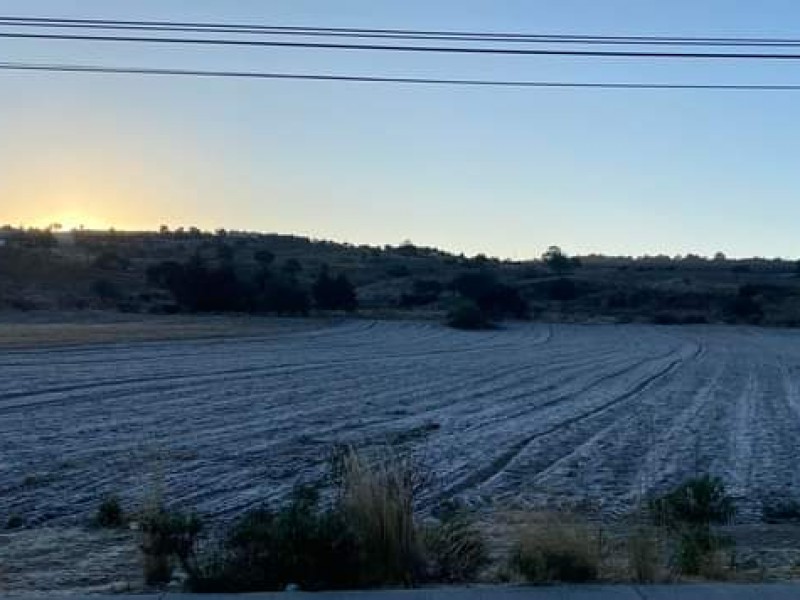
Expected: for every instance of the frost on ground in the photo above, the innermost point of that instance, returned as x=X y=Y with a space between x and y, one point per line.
x=69 y=560
x=534 y=414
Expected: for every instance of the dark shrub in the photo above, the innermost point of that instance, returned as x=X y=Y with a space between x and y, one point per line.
x=267 y=550
x=398 y=271
x=466 y=314
x=15 y=522
x=745 y=306
x=110 y=513
x=474 y=285
x=495 y=299
x=424 y=292
x=165 y=536
x=699 y=501
x=334 y=293
x=562 y=290
x=689 y=511
x=503 y=300
x=110 y=261
x=456 y=549
x=283 y=296
x=106 y=290
x=197 y=287
x=292 y=268
x=264 y=257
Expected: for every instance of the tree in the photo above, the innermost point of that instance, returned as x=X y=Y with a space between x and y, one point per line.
x=283 y=296
x=334 y=293
x=264 y=257
x=563 y=290
x=558 y=262
x=492 y=297
x=291 y=268
x=225 y=252
x=106 y=290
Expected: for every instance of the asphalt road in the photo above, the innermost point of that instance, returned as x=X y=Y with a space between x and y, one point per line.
x=616 y=592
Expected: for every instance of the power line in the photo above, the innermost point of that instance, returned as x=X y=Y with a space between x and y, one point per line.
x=99 y=69
x=417 y=34
x=399 y=48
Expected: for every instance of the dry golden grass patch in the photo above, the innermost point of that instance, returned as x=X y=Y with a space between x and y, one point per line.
x=56 y=331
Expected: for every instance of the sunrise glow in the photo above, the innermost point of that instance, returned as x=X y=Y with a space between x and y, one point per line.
x=72 y=220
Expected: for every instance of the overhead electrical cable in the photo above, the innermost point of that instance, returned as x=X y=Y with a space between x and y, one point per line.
x=400 y=33
x=400 y=48
x=100 y=69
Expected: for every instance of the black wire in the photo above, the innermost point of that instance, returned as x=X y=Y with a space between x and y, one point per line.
x=397 y=48
x=98 y=69
x=249 y=28
x=401 y=34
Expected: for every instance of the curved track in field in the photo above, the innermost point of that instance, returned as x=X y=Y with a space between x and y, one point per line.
x=532 y=414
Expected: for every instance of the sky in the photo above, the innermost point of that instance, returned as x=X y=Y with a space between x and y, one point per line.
x=504 y=172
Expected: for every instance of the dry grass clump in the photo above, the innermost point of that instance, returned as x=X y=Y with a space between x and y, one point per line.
x=553 y=547
x=377 y=500
x=455 y=547
x=644 y=549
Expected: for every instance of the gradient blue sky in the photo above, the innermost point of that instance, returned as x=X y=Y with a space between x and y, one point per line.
x=505 y=172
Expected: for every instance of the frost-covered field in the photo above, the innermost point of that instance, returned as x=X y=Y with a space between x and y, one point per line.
x=529 y=414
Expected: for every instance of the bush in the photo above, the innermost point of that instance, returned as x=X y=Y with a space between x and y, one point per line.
x=334 y=293
x=197 y=287
x=366 y=535
x=644 y=555
x=15 y=522
x=398 y=271
x=377 y=500
x=284 y=297
x=466 y=314
x=689 y=512
x=424 y=292
x=111 y=261
x=268 y=550
x=166 y=536
x=106 y=290
x=110 y=514
x=455 y=548
x=493 y=298
x=700 y=553
x=562 y=290
x=555 y=549
x=700 y=501
x=745 y=305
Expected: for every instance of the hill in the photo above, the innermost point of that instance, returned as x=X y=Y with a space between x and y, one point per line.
x=194 y=271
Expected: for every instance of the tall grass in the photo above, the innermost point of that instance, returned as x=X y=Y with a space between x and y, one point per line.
x=644 y=554
x=378 y=500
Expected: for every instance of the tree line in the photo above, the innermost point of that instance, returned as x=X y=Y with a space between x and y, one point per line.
x=200 y=286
